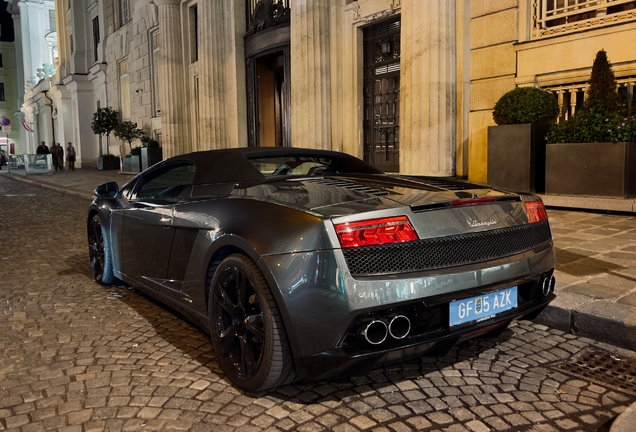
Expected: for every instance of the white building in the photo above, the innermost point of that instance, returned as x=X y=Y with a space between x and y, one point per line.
x=36 y=56
x=9 y=137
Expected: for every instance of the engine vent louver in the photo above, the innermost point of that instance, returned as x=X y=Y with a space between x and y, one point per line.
x=445 y=252
x=348 y=185
x=442 y=183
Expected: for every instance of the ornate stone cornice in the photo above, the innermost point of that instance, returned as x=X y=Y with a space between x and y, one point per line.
x=167 y=2
x=360 y=14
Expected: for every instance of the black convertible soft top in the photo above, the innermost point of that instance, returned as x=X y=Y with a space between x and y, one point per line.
x=233 y=165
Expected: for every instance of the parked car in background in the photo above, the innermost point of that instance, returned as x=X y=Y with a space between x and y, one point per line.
x=310 y=264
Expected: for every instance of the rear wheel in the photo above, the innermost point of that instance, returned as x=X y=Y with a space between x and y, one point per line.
x=246 y=328
x=100 y=253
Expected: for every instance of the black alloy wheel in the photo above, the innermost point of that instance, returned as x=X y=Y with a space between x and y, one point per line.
x=99 y=252
x=246 y=328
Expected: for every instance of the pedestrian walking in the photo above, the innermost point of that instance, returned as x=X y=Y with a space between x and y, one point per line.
x=60 y=161
x=70 y=156
x=57 y=155
x=3 y=159
x=54 y=156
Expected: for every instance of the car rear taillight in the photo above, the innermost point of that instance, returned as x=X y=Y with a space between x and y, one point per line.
x=536 y=211
x=375 y=232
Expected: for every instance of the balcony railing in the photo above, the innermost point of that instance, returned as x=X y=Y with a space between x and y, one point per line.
x=572 y=97
x=555 y=17
x=259 y=11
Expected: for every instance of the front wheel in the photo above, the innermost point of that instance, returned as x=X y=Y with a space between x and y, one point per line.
x=246 y=328
x=99 y=252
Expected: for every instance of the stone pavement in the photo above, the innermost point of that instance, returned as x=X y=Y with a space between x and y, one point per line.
x=596 y=295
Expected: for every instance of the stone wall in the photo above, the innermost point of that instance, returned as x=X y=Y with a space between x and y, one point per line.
x=493 y=31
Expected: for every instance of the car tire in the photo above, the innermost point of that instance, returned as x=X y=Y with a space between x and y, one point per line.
x=100 y=253
x=246 y=328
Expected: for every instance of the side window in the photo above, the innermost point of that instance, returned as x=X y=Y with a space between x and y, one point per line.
x=165 y=182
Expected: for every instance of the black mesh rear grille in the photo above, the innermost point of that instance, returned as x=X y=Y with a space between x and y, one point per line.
x=443 y=252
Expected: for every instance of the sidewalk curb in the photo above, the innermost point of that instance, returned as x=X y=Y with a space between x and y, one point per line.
x=598 y=320
x=49 y=186
x=626 y=421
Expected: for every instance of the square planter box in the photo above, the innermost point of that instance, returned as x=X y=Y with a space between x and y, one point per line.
x=592 y=169
x=131 y=164
x=516 y=157
x=110 y=163
x=150 y=156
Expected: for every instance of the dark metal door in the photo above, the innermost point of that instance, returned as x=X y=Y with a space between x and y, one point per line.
x=382 y=95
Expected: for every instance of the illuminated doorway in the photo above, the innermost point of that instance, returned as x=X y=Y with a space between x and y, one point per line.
x=269 y=99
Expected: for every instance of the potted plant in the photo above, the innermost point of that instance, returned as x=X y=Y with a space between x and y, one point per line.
x=594 y=152
x=108 y=162
x=132 y=161
x=127 y=131
x=104 y=122
x=516 y=146
x=151 y=152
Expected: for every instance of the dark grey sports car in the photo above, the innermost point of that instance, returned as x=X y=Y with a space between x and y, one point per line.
x=313 y=264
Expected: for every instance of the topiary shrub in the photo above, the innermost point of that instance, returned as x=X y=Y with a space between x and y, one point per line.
x=602 y=94
x=104 y=122
x=526 y=105
x=589 y=126
x=128 y=132
x=146 y=141
x=601 y=119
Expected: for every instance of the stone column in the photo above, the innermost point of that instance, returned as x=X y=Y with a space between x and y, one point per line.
x=213 y=60
x=35 y=51
x=428 y=88
x=25 y=143
x=310 y=74
x=172 y=79
x=82 y=106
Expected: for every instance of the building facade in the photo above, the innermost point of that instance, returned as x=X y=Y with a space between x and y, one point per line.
x=9 y=137
x=549 y=44
x=34 y=24
x=408 y=85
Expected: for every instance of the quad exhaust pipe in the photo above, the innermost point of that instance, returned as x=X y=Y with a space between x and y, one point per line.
x=399 y=327
x=377 y=330
x=547 y=286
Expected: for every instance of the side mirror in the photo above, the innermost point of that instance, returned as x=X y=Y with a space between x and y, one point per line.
x=107 y=191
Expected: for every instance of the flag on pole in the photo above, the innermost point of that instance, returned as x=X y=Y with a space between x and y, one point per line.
x=26 y=126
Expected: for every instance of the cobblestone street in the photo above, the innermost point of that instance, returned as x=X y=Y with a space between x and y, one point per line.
x=78 y=356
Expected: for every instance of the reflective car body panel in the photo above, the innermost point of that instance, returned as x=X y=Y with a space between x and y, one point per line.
x=171 y=223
